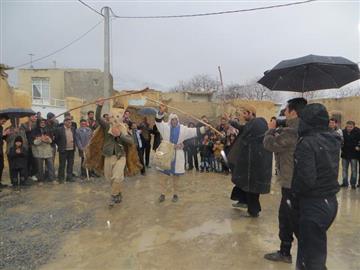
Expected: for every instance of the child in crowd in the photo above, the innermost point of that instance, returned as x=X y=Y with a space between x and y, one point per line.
x=218 y=147
x=18 y=162
x=205 y=154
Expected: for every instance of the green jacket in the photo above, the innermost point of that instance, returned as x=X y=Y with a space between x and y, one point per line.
x=282 y=142
x=112 y=145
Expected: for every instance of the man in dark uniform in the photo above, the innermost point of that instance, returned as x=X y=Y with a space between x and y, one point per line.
x=315 y=185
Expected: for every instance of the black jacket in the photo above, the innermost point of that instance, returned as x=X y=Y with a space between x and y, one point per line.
x=250 y=163
x=316 y=160
x=18 y=161
x=60 y=138
x=2 y=137
x=351 y=140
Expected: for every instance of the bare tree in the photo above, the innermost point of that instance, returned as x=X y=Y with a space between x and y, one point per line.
x=199 y=83
x=250 y=91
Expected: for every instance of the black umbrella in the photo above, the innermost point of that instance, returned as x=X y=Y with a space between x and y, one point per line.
x=147 y=111
x=310 y=73
x=15 y=113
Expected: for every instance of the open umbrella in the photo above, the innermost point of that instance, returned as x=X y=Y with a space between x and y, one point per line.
x=15 y=113
x=310 y=73
x=147 y=111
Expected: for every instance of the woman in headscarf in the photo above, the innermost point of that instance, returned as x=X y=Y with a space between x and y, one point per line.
x=175 y=133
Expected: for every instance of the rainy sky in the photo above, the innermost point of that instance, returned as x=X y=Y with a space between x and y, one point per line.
x=159 y=53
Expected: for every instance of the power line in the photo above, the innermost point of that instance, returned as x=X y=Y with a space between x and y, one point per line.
x=90 y=7
x=62 y=48
x=212 y=13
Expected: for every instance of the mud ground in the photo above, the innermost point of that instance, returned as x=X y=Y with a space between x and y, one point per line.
x=70 y=226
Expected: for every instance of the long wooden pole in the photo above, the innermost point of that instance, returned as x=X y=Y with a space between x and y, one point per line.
x=94 y=101
x=187 y=114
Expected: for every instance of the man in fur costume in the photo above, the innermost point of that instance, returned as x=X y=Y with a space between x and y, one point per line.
x=175 y=133
x=116 y=145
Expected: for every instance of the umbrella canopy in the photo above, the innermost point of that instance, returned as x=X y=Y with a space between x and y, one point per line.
x=16 y=112
x=310 y=73
x=147 y=111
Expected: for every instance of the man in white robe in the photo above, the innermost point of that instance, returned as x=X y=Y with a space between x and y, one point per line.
x=172 y=131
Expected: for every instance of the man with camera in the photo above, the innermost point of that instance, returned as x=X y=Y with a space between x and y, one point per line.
x=282 y=141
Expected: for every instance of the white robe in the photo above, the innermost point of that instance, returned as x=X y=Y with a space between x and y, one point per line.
x=185 y=133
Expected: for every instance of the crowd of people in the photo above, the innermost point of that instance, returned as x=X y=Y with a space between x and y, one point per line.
x=306 y=147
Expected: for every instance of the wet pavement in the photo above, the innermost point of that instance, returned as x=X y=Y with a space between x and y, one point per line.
x=69 y=226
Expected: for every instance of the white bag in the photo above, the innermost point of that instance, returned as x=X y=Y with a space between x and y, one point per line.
x=164 y=155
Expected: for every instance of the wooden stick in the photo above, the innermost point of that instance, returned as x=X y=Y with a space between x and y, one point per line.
x=94 y=101
x=193 y=117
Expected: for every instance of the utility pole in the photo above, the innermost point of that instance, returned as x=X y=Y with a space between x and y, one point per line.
x=223 y=90
x=107 y=84
x=31 y=59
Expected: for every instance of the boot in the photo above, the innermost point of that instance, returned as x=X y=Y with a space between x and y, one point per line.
x=278 y=257
x=175 y=198
x=161 y=198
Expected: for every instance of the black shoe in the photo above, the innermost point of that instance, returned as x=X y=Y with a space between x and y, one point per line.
x=358 y=185
x=252 y=215
x=175 y=198
x=353 y=187
x=118 y=198
x=344 y=185
x=3 y=185
x=278 y=257
x=27 y=182
x=94 y=175
x=161 y=198
x=70 y=179
x=113 y=200
x=240 y=205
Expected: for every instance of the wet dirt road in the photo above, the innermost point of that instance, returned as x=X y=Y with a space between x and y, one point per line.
x=70 y=227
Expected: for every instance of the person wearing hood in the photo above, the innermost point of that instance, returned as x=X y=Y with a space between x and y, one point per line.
x=315 y=184
x=116 y=139
x=42 y=151
x=282 y=141
x=18 y=162
x=175 y=133
x=250 y=162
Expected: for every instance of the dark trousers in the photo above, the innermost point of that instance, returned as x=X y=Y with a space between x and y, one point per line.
x=252 y=200
x=47 y=176
x=287 y=222
x=18 y=174
x=315 y=217
x=1 y=166
x=32 y=164
x=48 y=173
x=82 y=165
x=66 y=158
x=146 y=151
x=141 y=158
x=192 y=158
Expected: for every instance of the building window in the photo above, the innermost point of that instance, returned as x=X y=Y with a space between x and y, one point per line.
x=40 y=90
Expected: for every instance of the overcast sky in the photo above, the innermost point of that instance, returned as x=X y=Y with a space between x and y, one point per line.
x=159 y=53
